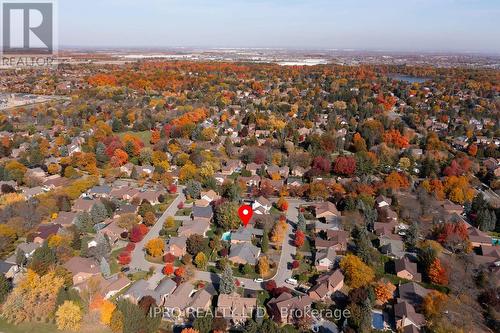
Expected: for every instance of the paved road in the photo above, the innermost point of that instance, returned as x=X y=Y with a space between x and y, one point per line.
x=288 y=250
x=215 y=278
x=138 y=261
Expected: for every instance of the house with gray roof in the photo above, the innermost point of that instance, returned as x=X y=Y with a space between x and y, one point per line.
x=244 y=253
x=202 y=213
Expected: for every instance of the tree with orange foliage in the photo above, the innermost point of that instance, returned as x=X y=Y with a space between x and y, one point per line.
x=119 y=158
x=458 y=189
x=393 y=138
x=189 y=330
x=472 y=150
x=437 y=273
x=359 y=143
x=434 y=186
x=102 y=80
x=300 y=238
x=180 y=272
x=396 y=181
x=282 y=204
x=384 y=291
x=433 y=303
x=168 y=269
x=155 y=137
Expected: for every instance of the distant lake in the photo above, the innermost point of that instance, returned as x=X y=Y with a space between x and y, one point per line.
x=408 y=78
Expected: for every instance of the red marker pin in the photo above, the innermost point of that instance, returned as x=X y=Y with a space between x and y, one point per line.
x=245 y=212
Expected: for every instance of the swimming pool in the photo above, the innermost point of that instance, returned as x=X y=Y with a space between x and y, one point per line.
x=226 y=236
x=378 y=321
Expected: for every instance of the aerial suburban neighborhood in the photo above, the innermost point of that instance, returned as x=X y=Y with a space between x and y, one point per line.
x=252 y=191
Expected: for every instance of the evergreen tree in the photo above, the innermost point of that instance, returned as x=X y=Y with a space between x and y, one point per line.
x=100 y=153
x=98 y=212
x=301 y=222
x=43 y=258
x=411 y=236
x=193 y=189
x=251 y=326
x=265 y=242
x=486 y=220
x=363 y=244
x=102 y=248
x=20 y=257
x=203 y=324
x=134 y=174
x=5 y=287
x=227 y=283
x=105 y=269
x=84 y=222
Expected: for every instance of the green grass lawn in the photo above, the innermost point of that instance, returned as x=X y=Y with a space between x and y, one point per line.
x=184 y=212
x=145 y=136
x=113 y=263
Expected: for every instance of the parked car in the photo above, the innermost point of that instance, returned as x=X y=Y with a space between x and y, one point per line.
x=291 y=281
x=258 y=280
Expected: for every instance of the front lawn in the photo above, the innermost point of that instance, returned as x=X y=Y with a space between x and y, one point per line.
x=184 y=212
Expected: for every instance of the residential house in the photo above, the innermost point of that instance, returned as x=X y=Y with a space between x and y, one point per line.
x=478 y=238
x=245 y=234
x=123 y=193
x=150 y=195
x=407 y=270
x=191 y=227
x=325 y=259
x=285 y=308
x=235 y=308
x=387 y=215
x=107 y=288
x=44 y=231
x=112 y=230
x=176 y=246
x=326 y=209
x=65 y=219
x=406 y=317
x=202 y=213
x=326 y=285
x=27 y=248
x=83 y=204
x=253 y=168
x=382 y=201
x=394 y=248
x=261 y=206
x=99 y=191
x=244 y=253
x=82 y=269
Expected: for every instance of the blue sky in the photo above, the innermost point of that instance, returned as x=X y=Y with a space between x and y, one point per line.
x=399 y=25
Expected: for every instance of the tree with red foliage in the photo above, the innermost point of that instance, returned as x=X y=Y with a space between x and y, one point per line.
x=437 y=273
x=393 y=138
x=172 y=188
x=130 y=247
x=169 y=258
x=136 y=234
x=458 y=167
x=300 y=238
x=454 y=236
x=168 y=269
x=295 y=264
x=345 y=165
x=180 y=272
x=224 y=252
x=112 y=143
x=321 y=166
x=270 y=285
x=144 y=229
x=180 y=205
x=124 y=258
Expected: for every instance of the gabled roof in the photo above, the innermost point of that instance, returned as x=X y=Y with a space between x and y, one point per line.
x=82 y=265
x=412 y=293
x=202 y=212
x=245 y=251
